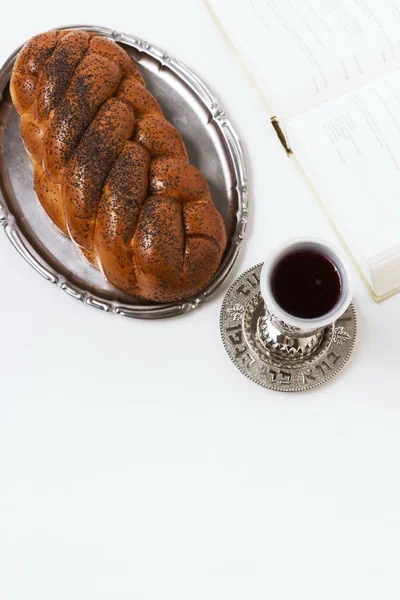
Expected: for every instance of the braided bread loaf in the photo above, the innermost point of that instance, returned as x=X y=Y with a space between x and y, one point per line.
x=110 y=171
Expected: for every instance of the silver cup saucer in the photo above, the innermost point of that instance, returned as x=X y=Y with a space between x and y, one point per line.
x=246 y=329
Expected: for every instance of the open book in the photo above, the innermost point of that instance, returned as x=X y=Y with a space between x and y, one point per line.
x=330 y=72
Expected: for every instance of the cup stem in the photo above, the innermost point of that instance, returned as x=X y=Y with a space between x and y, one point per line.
x=285 y=340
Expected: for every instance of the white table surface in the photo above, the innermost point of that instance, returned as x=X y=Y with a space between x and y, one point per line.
x=136 y=461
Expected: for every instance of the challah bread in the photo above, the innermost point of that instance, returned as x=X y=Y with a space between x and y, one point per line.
x=110 y=171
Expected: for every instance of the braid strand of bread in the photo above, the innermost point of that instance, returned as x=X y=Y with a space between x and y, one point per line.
x=110 y=171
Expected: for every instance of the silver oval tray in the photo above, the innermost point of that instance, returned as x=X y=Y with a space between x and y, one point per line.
x=213 y=147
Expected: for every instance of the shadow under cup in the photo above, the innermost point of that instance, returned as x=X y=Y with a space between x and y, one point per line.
x=305 y=284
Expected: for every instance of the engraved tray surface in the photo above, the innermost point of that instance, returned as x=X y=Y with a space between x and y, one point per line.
x=213 y=147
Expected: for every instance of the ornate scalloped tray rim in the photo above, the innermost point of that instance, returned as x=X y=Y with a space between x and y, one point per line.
x=145 y=311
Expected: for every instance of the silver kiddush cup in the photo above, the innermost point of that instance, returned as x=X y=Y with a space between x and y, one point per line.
x=284 y=334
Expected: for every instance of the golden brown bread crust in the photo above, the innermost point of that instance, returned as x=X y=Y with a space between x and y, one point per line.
x=123 y=196
x=28 y=66
x=84 y=178
x=50 y=197
x=95 y=79
x=58 y=71
x=110 y=171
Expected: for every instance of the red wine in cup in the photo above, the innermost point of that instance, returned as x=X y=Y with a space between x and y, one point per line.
x=306 y=284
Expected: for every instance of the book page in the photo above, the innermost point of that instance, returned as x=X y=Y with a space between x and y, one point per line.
x=350 y=149
x=305 y=52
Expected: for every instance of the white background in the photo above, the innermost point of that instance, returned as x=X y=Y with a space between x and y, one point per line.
x=136 y=462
